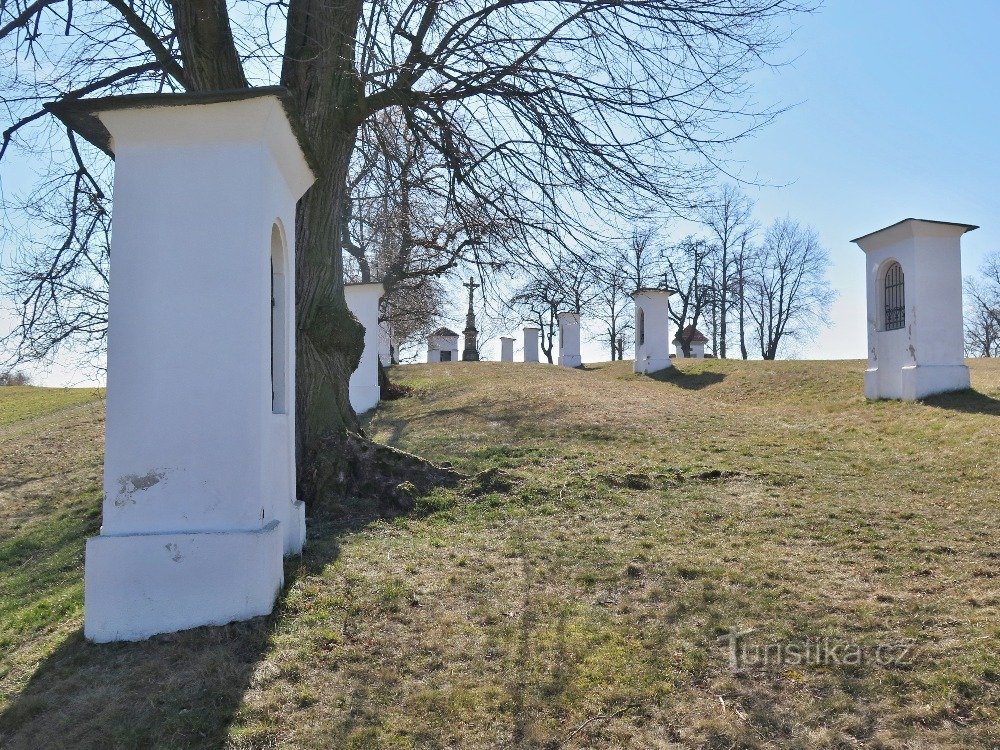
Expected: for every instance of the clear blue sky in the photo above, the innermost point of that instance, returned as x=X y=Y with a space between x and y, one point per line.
x=897 y=115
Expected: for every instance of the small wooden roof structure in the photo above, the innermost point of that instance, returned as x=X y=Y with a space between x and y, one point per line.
x=692 y=334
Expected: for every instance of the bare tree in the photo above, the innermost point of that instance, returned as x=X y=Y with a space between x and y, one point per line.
x=728 y=215
x=982 y=314
x=538 y=301
x=788 y=293
x=612 y=298
x=643 y=261
x=743 y=261
x=14 y=377
x=544 y=113
x=406 y=230
x=688 y=275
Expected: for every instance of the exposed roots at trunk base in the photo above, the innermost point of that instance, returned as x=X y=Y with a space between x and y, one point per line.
x=370 y=480
x=389 y=391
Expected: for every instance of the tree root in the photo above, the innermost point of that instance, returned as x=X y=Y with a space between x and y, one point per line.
x=364 y=478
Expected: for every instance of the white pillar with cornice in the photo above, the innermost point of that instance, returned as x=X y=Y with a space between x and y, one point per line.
x=363 y=301
x=569 y=339
x=199 y=468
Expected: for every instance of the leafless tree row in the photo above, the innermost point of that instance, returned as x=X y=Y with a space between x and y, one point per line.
x=982 y=309
x=763 y=288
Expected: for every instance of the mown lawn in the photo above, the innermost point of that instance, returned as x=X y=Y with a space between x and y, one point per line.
x=579 y=590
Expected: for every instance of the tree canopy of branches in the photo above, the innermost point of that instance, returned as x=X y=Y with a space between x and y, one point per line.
x=982 y=316
x=542 y=111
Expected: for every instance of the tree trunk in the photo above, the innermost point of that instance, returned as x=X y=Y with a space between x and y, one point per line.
x=724 y=295
x=742 y=323
x=319 y=69
x=211 y=62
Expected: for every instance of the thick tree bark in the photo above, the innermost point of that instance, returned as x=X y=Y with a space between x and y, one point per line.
x=211 y=62
x=319 y=69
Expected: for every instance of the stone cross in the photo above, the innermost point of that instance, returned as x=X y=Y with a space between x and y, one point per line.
x=471 y=286
x=471 y=351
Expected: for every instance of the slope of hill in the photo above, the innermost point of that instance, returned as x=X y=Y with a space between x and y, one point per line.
x=582 y=587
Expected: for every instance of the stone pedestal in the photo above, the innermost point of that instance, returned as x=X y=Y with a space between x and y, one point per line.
x=569 y=339
x=199 y=469
x=530 y=344
x=363 y=300
x=652 y=330
x=506 y=349
x=916 y=343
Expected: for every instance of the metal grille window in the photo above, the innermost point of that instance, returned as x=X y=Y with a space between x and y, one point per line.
x=895 y=302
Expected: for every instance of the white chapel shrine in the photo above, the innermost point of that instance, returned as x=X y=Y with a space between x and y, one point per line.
x=916 y=341
x=199 y=469
x=652 y=330
x=569 y=339
x=442 y=346
x=363 y=302
x=531 y=343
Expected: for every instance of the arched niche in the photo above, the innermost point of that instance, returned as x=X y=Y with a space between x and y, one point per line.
x=279 y=322
x=890 y=287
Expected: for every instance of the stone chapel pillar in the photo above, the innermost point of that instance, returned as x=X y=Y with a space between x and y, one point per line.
x=569 y=339
x=916 y=340
x=363 y=301
x=506 y=349
x=199 y=467
x=652 y=330
x=530 y=344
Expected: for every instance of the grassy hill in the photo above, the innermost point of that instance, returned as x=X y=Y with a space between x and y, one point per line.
x=578 y=590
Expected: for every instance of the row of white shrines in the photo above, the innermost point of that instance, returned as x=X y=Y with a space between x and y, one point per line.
x=199 y=472
x=652 y=327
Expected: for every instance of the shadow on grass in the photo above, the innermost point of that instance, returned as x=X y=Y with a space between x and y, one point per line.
x=514 y=418
x=969 y=401
x=170 y=691
x=692 y=381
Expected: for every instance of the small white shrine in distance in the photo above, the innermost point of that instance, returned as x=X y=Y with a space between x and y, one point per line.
x=652 y=330
x=531 y=343
x=697 y=346
x=442 y=346
x=506 y=349
x=569 y=339
x=916 y=341
x=363 y=301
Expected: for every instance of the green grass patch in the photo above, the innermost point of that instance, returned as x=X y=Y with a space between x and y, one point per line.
x=575 y=591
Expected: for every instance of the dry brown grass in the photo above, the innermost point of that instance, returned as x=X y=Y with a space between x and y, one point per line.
x=572 y=594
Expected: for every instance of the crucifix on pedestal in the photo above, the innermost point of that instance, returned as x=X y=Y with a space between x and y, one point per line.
x=471 y=351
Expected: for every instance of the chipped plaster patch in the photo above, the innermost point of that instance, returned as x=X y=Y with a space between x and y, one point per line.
x=129 y=484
